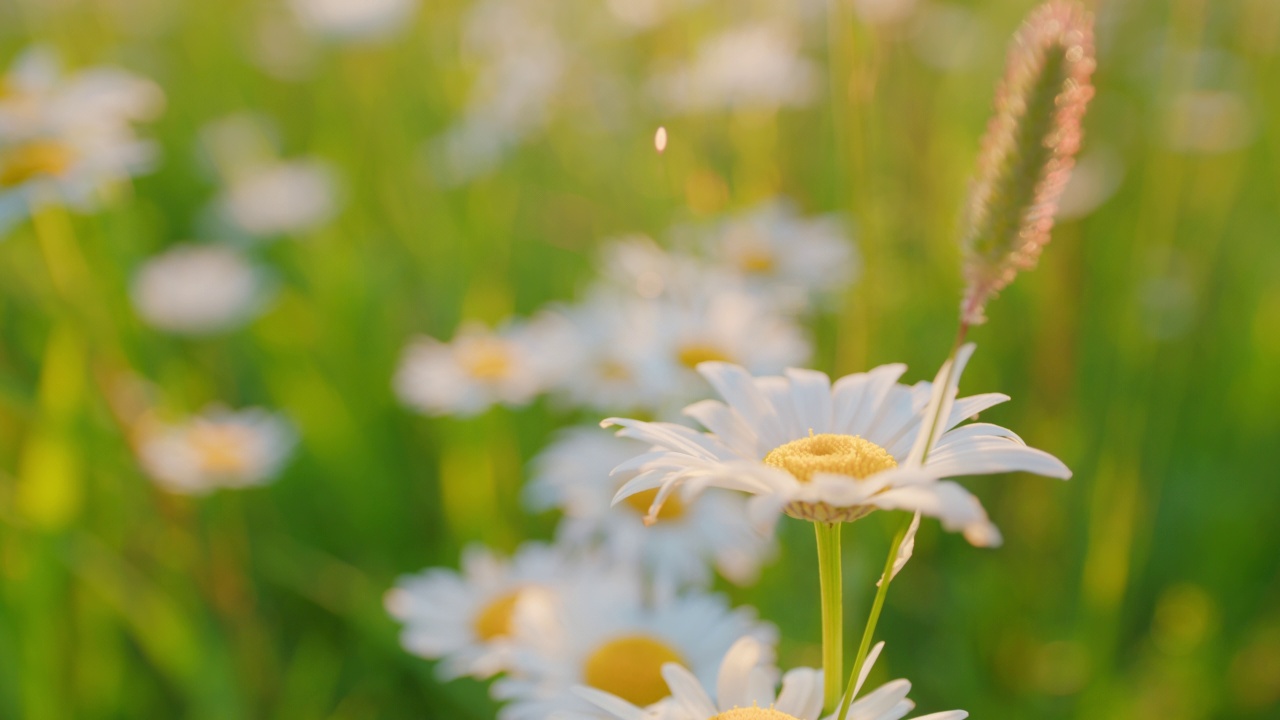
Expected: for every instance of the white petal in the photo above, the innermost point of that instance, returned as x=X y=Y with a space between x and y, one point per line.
x=866 y=667
x=801 y=695
x=611 y=704
x=811 y=399
x=735 y=669
x=688 y=692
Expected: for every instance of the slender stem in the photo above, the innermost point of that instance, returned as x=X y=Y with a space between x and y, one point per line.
x=832 y=611
x=870 y=630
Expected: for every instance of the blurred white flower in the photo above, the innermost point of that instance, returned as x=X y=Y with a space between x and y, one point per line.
x=1209 y=122
x=835 y=453
x=750 y=67
x=744 y=689
x=64 y=139
x=635 y=264
x=354 y=19
x=573 y=475
x=785 y=255
x=1094 y=180
x=280 y=197
x=636 y=353
x=480 y=368
x=464 y=618
x=605 y=636
x=521 y=61
x=216 y=449
x=198 y=289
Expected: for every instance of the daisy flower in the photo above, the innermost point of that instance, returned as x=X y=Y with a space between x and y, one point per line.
x=723 y=325
x=217 y=449
x=776 y=249
x=62 y=139
x=481 y=367
x=464 y=618
x=744 y=689
x=280 y=197
x=572 y=474
x=199 y=289
x=353 y=19
x=754 y=67
x=605 y=636
x=834 y=452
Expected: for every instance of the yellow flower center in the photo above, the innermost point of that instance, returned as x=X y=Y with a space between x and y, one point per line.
x=672 y=509
x=614 y=370
x=631 y=668
x=494 y=621
x=828 y=453
x=221 y=449
x=758 y=261
x=486 y=359
x=693 y=353
x=32 y=160
x=753 y=713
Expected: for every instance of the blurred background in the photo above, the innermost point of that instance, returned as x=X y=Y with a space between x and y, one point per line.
x=424 y=164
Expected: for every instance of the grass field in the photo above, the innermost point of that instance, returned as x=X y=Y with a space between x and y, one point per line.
x=1144 y=351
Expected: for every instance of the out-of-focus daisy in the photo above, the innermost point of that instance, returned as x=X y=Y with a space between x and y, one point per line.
x=572 y=474
x=744 y=689
x=775 y=247
x=63 y=139
x=280 y=197
x=521 y=61
x=198 y=289
x=353 y=19
x=217 y=449
x=482 y=367
x=835 y=453
x=751 y=67
x=630 y=352
x=464 y=618
x=604 y=636
x=725 y=325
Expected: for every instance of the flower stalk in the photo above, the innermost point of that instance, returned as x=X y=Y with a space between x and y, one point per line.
x=829 y=578
x=1028 y=151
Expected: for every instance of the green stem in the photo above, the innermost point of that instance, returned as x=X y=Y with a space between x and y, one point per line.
x=832 y=611
x=870 y=630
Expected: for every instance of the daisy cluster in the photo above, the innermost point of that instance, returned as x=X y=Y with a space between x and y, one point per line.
x=68 y=139
x=615 y=599
x=614 y=619
x=734 y=290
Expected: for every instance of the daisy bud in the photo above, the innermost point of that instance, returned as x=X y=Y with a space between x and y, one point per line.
x=1028 y=151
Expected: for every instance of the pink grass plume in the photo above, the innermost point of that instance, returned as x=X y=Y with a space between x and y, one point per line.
x=1028 y=151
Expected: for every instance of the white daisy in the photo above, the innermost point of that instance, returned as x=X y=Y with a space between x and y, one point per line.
x=572 y=474
x=756 y=67
x=604 y=636
x=480 y=367
x=217 y=449
x=724 y=325
x=834 y=453
x=63 y=139
x=464 y=618
x=199 y=289
x=353 y=19
x=780 y=251
x=280 y=197
x=744 y=690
